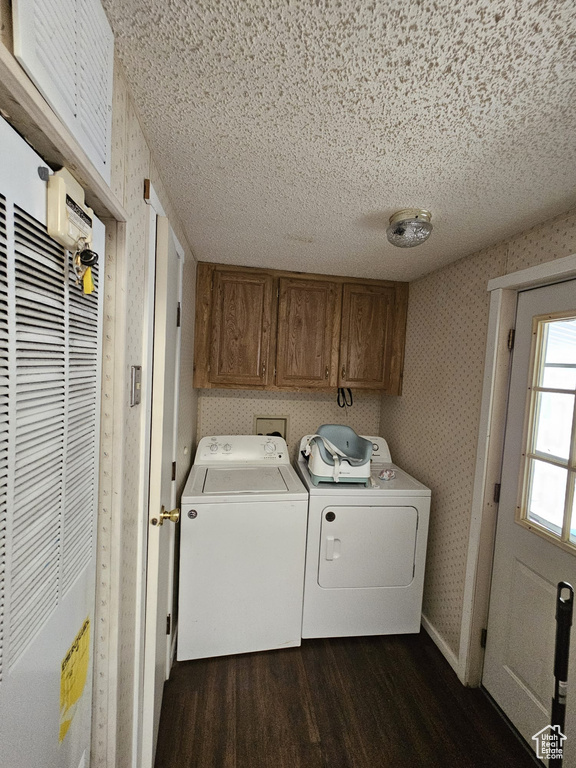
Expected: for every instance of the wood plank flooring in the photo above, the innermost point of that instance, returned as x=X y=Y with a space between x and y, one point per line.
x=368 y=702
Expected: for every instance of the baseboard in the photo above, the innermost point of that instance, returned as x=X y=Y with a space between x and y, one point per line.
x=446 y=651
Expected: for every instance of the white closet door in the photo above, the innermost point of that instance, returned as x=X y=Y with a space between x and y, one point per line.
x=49 y=418
x=67 y=49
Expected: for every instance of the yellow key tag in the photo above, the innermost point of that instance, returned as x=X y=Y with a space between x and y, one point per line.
x=87 y=282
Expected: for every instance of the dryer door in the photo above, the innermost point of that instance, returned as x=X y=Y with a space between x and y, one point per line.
x=367 y=547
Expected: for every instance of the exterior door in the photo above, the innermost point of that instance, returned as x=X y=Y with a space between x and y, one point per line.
x=536 y=531
x=49 y=453
x=161 y=537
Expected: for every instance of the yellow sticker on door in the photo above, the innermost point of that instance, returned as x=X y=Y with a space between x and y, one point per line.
x=73 y=677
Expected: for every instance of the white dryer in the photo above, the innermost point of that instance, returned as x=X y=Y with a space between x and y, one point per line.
x=242 y=548
x=366 y=552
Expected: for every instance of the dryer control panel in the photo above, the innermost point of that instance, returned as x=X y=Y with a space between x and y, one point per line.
x=242 y=449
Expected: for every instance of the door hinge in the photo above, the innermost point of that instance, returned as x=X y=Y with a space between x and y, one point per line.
x=496 y=493
x=511 y=337
x=168 y=623
x=483 y=636
x=178 y=315
x=173 y=470
x=146 y=189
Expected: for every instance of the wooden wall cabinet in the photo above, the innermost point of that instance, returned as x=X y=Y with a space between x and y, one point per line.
x=268 y=329
x=243 y=314
x=308 y=333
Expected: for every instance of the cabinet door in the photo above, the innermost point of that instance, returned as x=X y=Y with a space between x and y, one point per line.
x=308 y=324
x=367 y=335
x=241 y=329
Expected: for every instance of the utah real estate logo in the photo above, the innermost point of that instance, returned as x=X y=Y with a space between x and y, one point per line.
x=549 y=743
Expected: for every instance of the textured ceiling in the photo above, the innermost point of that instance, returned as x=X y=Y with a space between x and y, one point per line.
x=289 y=132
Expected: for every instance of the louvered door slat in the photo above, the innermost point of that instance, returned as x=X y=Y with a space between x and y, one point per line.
x=67 y=48
x=94 y=75
x=80 y=464
x=40 y=283
x=44 y=483
x=4 y=336
x=30 y=455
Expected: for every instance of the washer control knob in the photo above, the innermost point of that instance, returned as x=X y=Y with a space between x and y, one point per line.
x=270 y=447
x=227 y=447
x=213 y=447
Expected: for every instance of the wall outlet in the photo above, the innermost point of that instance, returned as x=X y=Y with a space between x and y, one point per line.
x=269 y=425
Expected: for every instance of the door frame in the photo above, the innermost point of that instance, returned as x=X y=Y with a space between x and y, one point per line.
x=155 y=209
x=503 y=299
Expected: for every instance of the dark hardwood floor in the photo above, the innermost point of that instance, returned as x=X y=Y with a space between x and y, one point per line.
x=365 y=702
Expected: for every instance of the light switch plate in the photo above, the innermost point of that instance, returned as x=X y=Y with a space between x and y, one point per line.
x=266 y=425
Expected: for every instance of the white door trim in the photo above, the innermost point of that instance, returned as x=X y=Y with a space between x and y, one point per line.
x=503 y=298
x=155 y=209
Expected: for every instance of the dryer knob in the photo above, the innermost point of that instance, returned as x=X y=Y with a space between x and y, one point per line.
x=270 y=447
x=213 y=447
x=330 y=516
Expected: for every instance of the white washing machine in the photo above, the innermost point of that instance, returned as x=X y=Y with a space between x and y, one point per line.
x=366 y=552
x=242 y=548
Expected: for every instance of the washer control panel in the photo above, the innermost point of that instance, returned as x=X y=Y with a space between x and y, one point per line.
x=242 y=449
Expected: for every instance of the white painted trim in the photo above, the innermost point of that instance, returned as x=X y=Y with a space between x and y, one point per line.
x=171 y=640
x=143 y=500
x=550 y=272
x=154 y=201
x=504 y=294
x=443 y=646
x=115 y=346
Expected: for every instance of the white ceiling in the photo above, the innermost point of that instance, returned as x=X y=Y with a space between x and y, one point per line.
x=288 y=131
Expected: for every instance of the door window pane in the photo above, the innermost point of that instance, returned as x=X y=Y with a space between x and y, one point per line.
x=546 y=495
x=549 y=468
x=560 y=355
x=553 y=425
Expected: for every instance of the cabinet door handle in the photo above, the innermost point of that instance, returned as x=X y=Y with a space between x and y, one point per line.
x=326 y=373
x=343 y=372
x=264 y=368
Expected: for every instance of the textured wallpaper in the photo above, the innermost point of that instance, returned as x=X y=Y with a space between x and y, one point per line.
x=433 y=427
x=122 y=434
x=231 y=412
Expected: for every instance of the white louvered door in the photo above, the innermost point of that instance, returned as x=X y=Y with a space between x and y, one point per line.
x=67 y=49
x=49 y=417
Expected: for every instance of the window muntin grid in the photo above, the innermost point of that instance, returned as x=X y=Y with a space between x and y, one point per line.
x=548 y=504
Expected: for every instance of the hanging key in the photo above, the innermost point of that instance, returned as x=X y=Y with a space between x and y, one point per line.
x=88 y=258
x=83 y=261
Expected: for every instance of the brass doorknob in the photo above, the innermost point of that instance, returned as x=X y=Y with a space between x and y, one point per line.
x=173 y=516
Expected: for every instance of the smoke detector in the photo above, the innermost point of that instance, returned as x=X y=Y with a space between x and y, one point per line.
x=409 y=227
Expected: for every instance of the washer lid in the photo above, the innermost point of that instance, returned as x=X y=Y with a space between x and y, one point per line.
x=233 y=480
